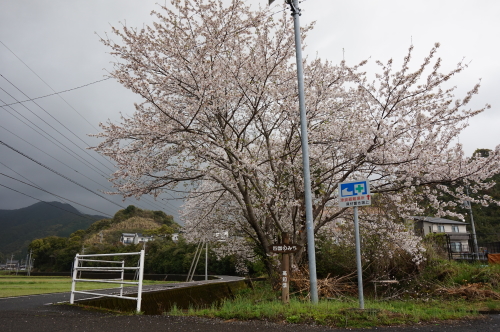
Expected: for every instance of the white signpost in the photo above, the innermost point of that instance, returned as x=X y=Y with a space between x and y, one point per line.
x=354 y=194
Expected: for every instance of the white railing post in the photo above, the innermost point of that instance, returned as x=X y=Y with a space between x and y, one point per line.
x=141 y=277
x=73 y=284
x=122 y=276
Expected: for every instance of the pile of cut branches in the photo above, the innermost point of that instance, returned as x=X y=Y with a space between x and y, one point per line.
x=329 y=287
x=474 y=291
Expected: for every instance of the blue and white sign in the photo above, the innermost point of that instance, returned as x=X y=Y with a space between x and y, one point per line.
x=354 y=193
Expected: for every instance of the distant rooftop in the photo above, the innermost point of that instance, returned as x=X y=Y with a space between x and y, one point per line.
x=436 y=220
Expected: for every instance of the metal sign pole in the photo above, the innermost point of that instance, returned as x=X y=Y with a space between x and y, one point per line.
x=358 y=259
x=474 y=237
x=311 y=254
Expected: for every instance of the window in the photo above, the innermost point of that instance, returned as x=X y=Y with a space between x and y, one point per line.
x=454 y=229
x=456 y=247
x=440 y=228
x=430 y=229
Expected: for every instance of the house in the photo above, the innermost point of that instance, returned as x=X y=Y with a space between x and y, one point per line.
x=135 y=238
x=221 y=236
x=175 y=237
x=456 y=231
x=127 y=238
x=12 y=264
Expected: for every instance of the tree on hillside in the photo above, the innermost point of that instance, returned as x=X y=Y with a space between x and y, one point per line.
x=220 y=112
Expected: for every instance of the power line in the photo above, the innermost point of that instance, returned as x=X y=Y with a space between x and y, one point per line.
x=61 y=175
x=20 y=175
x=71 y=168
x=86 y=152
x=47 y=84
x=57 y=130
x=56 y=172
x=55 y=195
x=60 y=208
x=49 y=155
x=56 y=93
x=65 y=149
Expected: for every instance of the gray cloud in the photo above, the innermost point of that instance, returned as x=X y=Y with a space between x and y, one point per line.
x=58 y=40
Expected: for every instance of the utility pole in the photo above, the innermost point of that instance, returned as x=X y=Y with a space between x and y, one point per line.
x=294 y=6
x=206 y=260
x=474 y=237
x=29 y=262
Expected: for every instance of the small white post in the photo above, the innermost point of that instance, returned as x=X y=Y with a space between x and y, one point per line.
x=141 y=276
x=123 y=274
x=73 y=285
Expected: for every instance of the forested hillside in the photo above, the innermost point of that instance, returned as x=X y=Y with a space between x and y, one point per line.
x=19 y=227
x=56 y=254
x=487 y=218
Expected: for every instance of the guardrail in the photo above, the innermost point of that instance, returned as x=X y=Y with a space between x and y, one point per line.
x=83 y=258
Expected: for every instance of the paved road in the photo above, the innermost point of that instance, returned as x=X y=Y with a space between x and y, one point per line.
x=35 y=301
x=37 y=314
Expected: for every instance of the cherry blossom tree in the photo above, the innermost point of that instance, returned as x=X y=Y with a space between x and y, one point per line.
x=220 y=113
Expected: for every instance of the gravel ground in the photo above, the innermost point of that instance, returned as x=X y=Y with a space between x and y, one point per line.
x=69 y=318
x=35 y=313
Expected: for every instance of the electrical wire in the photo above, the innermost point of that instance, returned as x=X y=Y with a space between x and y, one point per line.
x=49 y=155
x=59 y=143
x=61 y=175
x=21 y=176
x=86 y=152
x=55 y=195
x=80 y=173
x=47 y=84
x=81 y=159
x=56 y=93
x=58 y=207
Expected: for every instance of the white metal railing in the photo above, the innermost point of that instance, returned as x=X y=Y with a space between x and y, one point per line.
x=81 y=259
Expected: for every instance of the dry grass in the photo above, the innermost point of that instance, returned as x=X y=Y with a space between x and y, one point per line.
x=132 y=224
x=476 y=291
x=329 y=287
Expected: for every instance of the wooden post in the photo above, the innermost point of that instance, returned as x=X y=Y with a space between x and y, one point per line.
x=285 y=272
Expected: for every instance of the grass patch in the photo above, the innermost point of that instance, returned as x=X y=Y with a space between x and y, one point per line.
x=262 y=303
x=11 y=285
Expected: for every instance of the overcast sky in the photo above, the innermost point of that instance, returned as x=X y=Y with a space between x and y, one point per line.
x=58 y=40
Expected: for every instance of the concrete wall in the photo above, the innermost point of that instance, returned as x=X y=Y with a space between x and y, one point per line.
x=161 y=302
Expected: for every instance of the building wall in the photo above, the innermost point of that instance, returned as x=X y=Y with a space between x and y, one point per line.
x=434 y=228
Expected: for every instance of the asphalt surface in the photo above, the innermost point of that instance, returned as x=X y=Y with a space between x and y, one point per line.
x=37 y=313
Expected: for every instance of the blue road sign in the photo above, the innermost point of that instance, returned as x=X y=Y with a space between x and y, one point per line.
x=354 y=193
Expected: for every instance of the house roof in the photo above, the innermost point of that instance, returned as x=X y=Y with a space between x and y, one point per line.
x=436 y=220
x=142 y=235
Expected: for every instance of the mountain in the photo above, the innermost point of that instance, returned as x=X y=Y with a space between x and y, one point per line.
x=54 y=253
x=19 y=227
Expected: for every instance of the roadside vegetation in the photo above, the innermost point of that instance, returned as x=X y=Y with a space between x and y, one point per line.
x=443 y=290
x=12 y=285
x=56 y=254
